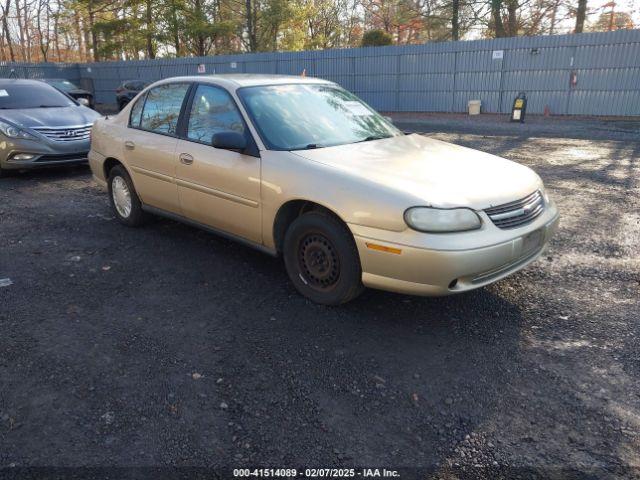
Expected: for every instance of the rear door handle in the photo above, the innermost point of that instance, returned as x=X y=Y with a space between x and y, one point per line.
x=129 y=145
x=186 y=159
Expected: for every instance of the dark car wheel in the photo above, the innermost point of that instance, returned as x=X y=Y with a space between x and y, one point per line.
x=124 y=199
x=322 y=260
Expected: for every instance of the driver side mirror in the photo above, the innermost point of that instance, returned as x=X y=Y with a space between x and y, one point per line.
x=229 y=140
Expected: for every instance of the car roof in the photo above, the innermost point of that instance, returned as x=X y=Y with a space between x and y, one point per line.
x=234 y=81
x=19 y=81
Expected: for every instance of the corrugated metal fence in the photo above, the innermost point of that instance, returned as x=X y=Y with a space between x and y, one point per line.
x=434 y=77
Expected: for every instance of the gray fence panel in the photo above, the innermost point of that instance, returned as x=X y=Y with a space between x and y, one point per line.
x=433 y=77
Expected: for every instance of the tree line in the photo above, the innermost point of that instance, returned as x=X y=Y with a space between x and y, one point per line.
x=97 y=30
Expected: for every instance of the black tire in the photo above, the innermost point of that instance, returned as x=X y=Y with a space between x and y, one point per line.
x=5 y=173
x=322 y=260
x=137 y=215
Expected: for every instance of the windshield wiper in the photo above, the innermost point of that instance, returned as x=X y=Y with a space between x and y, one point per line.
x=311 y=146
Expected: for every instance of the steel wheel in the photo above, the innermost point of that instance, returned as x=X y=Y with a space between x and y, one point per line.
x=318 y=261
x=121 y=196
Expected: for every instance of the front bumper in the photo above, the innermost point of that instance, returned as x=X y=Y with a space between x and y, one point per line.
x=45 y=153
x=436 y=272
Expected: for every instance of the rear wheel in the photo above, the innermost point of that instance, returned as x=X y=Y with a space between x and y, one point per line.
x=322 y=259
x=124 y=199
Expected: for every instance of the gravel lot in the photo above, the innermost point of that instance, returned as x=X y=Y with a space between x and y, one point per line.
x=167 y=346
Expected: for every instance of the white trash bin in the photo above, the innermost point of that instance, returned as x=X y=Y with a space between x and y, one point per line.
x=474 y=107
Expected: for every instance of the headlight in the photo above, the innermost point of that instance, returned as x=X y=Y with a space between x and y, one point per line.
x=438 y=220
x=83 y=101
x=12 y=131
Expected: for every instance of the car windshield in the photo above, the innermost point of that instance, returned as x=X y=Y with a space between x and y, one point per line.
x=304 y=116
x=64 y=85
x=36 y=95
x=135 y=86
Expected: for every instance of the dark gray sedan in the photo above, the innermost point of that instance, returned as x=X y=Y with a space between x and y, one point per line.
x=40 y=126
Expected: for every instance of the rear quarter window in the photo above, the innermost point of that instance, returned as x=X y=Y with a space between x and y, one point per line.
x=136 y=112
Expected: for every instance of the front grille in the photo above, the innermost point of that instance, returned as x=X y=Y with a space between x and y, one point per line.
x=518 y=213
x=65 y=134
x=68 y=157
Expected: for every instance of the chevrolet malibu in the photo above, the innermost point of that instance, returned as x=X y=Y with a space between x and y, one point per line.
x=41 y=126
x=302 y=168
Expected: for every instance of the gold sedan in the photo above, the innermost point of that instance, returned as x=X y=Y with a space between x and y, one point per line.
x=302 y=168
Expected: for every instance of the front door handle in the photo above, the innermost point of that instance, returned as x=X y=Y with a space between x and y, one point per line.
x=129 y=145
x=186 y=159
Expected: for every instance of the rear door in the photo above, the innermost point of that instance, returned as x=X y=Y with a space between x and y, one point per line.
x=150 y=145
x=219 y=188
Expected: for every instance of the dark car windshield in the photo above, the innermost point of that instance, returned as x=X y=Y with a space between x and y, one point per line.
x=36 y=95
x=303 y=116
x=136 y=86
x=64 y=85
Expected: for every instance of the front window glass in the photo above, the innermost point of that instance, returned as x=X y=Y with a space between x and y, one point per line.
x=213 y=110
x=162 y=108
x=33 y=95
x=299 y=116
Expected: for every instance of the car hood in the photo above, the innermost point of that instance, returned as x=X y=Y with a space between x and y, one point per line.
x=50 y=117
x=433 y=172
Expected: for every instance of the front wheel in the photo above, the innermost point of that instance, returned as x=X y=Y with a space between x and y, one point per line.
x=124 y=199
x=322 y=260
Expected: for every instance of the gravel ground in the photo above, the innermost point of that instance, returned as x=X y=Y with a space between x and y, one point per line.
x=168 y=346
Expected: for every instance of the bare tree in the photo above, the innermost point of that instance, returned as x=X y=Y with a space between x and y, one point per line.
x=512 y=17
x=581 y=14
x=5 y=29
x=151 y=53
x=455 y=19
x=496 y=16
x=43 y=18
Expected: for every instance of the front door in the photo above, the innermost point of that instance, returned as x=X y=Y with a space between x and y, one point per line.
x=219 y=188
x=150 y=145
